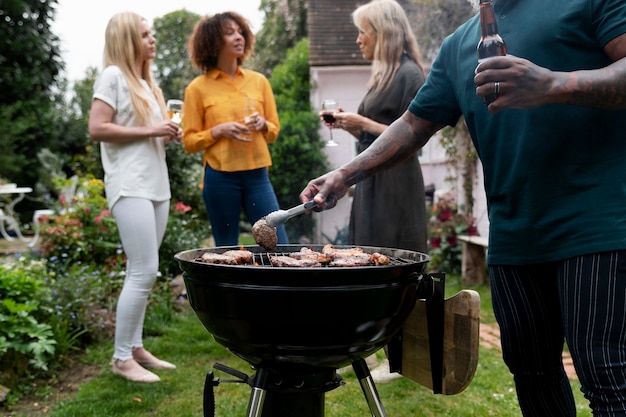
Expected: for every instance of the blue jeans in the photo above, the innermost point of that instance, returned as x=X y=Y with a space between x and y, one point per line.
x=225 y=193
x=581 y=300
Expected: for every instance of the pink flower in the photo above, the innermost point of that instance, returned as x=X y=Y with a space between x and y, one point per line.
x=102 y=214
x=181 y=207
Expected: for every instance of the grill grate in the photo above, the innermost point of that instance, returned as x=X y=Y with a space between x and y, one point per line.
x=261 y=259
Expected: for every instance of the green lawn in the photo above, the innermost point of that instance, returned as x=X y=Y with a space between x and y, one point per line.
x=186 y=343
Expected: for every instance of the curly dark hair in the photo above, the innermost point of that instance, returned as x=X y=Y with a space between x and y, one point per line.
x=207 y=39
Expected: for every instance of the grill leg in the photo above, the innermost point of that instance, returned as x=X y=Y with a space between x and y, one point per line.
x=257 y=396
x=369 y=388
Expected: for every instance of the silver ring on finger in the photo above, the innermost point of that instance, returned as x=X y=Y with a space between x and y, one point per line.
x=496 y=87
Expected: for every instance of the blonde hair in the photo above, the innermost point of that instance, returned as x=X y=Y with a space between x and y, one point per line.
x=394 y=37
x=124 y=48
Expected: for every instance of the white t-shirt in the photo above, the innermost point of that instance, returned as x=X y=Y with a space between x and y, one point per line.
x=131 y=169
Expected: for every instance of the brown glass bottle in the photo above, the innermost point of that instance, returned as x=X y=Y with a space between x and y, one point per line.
x=491 y=43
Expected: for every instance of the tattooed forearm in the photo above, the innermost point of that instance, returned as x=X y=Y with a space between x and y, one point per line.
x=396 y=144
x=601 y=88
x=605 y=88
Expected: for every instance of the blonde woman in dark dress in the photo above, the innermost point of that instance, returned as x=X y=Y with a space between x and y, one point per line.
x=388 y=208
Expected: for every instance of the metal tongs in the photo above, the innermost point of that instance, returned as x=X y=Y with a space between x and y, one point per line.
x=279 y=217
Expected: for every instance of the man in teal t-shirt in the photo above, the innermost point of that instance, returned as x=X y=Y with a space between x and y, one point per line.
x=553 y=150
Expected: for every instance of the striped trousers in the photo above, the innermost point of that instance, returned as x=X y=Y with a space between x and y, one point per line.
x=581 y=301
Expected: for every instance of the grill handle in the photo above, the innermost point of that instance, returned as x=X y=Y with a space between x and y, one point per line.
x=435 y=317
x=430 y=287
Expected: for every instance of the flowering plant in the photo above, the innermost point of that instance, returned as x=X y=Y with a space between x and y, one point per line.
x=185 y=230
x=445 y=225
x=82 y=230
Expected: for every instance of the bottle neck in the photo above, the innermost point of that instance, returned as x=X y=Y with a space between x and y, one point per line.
x=488 y=25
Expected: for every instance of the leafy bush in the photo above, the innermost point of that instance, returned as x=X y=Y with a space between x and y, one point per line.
x=84 y=303
x=64 y=297
x=297 y=154
x=26 y=340
x=186 y=229
x=445 y=224
x=83 y=251
x=83 y=231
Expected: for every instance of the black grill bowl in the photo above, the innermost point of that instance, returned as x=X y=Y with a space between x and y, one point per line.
x=284 y=317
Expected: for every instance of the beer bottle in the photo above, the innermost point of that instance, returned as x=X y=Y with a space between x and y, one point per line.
x=491 y=43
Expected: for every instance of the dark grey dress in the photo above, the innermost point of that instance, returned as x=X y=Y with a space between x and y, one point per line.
x=389 y=208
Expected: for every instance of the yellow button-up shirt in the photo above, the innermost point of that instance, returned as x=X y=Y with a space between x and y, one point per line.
x=214 y=98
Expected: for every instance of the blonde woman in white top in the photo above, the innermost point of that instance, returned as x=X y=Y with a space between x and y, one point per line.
x=128 y=118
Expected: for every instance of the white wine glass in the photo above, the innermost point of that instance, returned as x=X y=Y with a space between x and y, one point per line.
x=329 y=106
x=175 y=110
x=249 y=110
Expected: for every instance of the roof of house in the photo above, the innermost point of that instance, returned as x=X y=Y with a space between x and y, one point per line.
x=332 y=35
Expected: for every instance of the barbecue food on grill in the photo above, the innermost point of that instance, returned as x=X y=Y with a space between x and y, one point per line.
x=265 y=235
x=218 y=258
x=332 y=256
x=305 y=258
x=353 y=260
x=379 y=259
x=307 y=253
x=330 y=250
x=353 y=257
x=230 y=257
x=243 y=257
x=288 y=261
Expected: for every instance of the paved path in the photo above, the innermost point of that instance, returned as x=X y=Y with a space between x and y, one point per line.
x=490 y=338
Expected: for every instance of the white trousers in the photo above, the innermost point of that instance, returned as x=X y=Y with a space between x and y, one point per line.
x=141 y=224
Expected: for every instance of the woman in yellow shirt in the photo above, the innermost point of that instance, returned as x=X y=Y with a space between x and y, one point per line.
x=236 y=156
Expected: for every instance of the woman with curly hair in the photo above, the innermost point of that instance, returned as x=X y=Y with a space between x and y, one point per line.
x=236 y=155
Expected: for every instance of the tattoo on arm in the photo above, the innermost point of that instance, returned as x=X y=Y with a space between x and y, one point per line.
x=395 y=145
x=605 y=88
x=601 y=88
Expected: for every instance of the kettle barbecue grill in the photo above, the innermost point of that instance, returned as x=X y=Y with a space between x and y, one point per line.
x=297 y=326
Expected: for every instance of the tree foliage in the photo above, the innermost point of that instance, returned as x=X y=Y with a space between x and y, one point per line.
x=284 y=26
x=174 y=72
x=297 y=153
x=173 y=68
x=438 y=19
x=85 y=159
x=30 y=59
x=30 y=65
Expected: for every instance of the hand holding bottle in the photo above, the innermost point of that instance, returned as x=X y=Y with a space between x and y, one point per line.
x=491 y=43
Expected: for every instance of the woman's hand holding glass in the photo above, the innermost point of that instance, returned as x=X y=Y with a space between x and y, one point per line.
x=329 y=107
x=252 y=120
x=251 y=117
x=169 y=130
